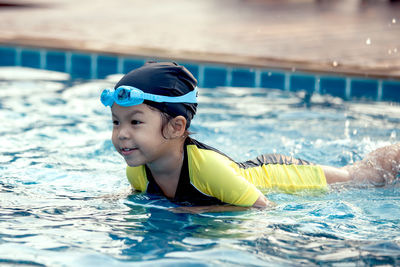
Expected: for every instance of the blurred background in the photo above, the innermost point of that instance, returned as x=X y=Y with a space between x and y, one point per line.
x=333 y=35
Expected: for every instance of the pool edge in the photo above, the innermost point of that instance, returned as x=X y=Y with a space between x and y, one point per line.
x=234 y=60
x=95 y=64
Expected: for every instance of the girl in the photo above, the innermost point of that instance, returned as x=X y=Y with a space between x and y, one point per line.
x=152 y=108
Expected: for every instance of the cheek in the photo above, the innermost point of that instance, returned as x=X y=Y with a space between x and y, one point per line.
x=114 y=138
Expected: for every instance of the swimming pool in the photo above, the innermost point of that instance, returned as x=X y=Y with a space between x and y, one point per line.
x=64 y=198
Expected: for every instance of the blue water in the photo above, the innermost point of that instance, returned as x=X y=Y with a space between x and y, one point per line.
x=65 y=201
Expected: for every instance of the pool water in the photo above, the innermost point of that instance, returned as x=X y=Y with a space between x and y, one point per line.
x=65 y=201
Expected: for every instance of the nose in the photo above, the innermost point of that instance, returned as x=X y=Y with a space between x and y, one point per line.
x=124 y=133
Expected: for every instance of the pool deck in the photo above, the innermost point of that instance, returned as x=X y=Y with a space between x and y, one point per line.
x=353 y=37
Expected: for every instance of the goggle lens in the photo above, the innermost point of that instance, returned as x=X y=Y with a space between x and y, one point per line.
x=122 y=94
x=107 y=98
x=128 y=96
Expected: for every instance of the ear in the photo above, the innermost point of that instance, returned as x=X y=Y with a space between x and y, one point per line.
x=177 y=127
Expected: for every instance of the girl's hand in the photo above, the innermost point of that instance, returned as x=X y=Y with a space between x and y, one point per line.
x=263 y=202
x=203 y=209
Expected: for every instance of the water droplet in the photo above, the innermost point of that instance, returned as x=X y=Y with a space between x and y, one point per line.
x=393 y=20
x=368 y=41
x=335 y=63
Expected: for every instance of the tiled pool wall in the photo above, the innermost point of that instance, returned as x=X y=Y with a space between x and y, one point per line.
x=98 y=66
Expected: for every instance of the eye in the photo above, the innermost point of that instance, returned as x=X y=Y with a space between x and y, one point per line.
x=135 y=122
x=115 y=122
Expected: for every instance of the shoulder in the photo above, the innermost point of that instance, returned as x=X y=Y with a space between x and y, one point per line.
x=196 y=145
x=137 y=177
x=206 y=159
x=206 y=154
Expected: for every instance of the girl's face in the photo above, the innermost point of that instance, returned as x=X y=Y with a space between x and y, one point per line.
x=137 y=134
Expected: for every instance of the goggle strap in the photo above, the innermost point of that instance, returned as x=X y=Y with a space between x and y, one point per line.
x=187 y=98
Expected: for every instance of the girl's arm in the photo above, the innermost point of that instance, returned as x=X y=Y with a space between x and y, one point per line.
x=261 y=203
x=204 y=209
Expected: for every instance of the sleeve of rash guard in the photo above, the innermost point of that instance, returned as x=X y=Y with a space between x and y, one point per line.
x=137 y=178
x=215 y=175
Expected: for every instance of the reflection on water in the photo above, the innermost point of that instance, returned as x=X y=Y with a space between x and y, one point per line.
x=64 y=199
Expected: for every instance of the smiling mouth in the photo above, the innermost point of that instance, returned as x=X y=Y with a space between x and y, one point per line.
x=127 y=151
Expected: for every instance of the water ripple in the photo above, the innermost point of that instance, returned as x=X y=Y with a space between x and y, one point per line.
x=64 y=200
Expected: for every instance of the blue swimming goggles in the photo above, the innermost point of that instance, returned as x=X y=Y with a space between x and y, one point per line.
x=127 y=96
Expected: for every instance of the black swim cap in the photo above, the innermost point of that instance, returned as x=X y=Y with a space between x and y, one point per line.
x=164 y=78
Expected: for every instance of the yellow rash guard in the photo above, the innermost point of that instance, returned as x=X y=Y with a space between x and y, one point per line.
x=209 y=177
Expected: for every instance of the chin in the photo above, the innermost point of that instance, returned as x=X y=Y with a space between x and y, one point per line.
x=133 y=164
